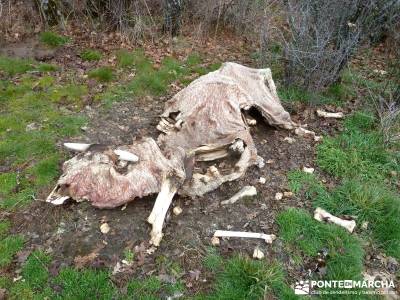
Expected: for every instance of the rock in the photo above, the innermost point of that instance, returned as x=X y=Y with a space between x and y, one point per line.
x=104 y=228
x=318 y=138
x=177 y=210
x=278 y=196
x=258 y=254
x=31 y=127
x=262 y=180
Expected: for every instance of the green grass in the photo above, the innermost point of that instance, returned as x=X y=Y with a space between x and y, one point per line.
x=153 y=81
x=334 y=95
x=13 y=66
x=102 y=74
x=151 y=288
x=90 y=55
x=34 y=99
x=243 y=278
x=9 y=246
x=300 y=232
x=357 y=152
x=125 y=59
x=53 y=39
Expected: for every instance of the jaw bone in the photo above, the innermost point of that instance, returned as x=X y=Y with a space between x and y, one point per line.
x=160 y=208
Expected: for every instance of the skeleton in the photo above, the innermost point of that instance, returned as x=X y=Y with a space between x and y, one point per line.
x=202 y=123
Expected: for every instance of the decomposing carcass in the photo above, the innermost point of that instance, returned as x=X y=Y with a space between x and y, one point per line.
x=204 y=122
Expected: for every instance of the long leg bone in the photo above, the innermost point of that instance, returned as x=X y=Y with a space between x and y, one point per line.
x=268 y=238
x=160 y=208
x=322 y=215
x=77 y=146
x=324 y=114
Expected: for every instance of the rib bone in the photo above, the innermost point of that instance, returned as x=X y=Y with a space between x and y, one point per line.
x=322 y=215
x=268 y=238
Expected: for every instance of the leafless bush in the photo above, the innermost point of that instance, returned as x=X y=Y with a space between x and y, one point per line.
x=242 y=16
x=321 y=36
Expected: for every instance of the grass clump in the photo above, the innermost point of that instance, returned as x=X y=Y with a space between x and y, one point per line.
x=13 y=66
x=125 y=58
x=103 y=74
x=151 y=288
x=242 y=278
x=53 y=39
x=90 y=55
x=9 y=246
x=76 y=284
x=300 y=232
x=358 y=152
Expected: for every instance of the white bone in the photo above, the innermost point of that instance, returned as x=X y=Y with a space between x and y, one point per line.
x=126 y=156
x=300 y=131
x=324 y=114
x=58 y=201
x=77 y=146
x=247 y=191
x=159 y=212
x=237 y=146
x=268 y=238
x=322 y=215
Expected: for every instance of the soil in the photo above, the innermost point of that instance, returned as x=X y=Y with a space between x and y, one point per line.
x=71 y=232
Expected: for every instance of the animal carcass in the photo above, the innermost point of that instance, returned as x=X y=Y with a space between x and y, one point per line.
x=203 y=122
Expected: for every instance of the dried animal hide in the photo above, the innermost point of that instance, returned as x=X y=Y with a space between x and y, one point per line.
x=203 y=122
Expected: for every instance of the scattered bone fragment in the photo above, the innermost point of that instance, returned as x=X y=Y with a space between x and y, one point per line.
x=104 y=228
x=289 y=140
x=262 y=180
x=126 y=156
x=300 y=131
x=364 y=225
x=318 y=138
x=278 y=196
x=77 y=146
x=251 y=122
x=322 y=215
x=268 y=238
x=260 y=162
x=324 y=114
x=288 y=194
x=177 y=210
x=270 y=161
x=246 y=191
x=215 y=241
x=258 y=254
x=308 y=170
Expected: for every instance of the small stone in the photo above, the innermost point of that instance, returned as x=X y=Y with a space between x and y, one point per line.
x=262 y=180
x=289 y=140
x=177 y=210
x=270 y=162
x=288 y=194
x=308 y=170
x=393 y=173
x=278 y=196
x=258 y=254
x=104 y=228
x=215 y=241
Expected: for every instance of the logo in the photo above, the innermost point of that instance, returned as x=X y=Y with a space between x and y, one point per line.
x=302 y=287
